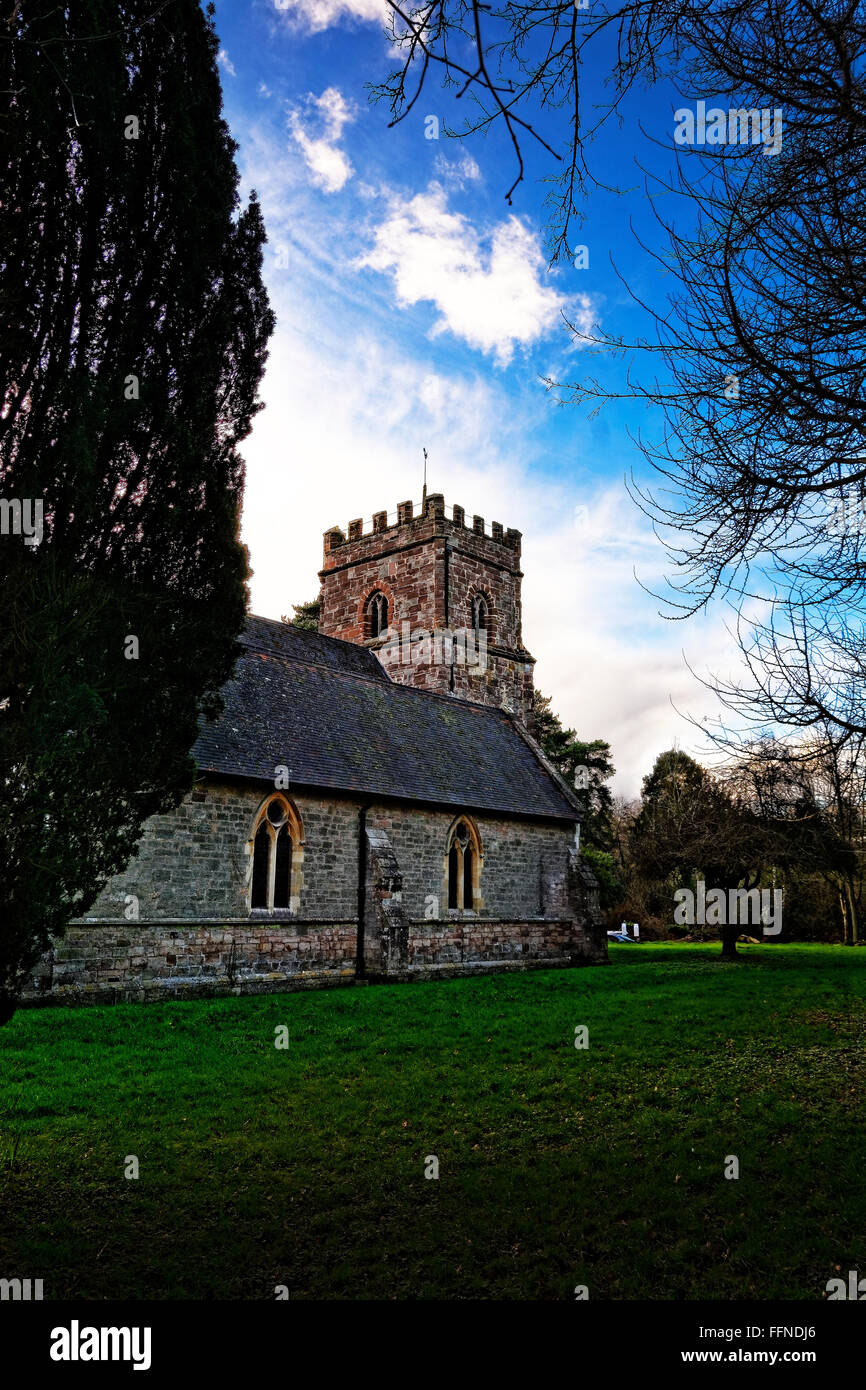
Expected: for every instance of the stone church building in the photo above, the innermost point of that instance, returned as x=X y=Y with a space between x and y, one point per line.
x=369 y=805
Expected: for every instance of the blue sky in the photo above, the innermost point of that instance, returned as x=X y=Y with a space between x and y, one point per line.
x=417 y=310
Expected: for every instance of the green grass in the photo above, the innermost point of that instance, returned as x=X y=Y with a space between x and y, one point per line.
x=558 y=1166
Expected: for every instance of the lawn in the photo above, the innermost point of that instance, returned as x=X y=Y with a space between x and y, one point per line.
x=558 y=1166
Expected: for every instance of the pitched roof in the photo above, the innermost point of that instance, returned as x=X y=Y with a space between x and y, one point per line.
x=328 y=711
x=293 y=643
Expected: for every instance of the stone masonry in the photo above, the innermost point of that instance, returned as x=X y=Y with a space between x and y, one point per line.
x=177 y=923
x=429 y=567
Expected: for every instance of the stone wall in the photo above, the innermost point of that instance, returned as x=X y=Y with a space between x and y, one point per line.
x=142 y=962
x=194 y=862
x=106 y=965
x=195 y=934
x=523 y=863
x=448 y=947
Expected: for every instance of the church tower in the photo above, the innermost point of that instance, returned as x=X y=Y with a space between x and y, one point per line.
x=437 y=600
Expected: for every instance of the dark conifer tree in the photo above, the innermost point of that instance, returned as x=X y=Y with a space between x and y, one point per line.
x=306 y=615
x=133 y=339
x=587 y=766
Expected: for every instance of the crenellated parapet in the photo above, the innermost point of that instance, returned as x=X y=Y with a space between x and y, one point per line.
x=430 y=517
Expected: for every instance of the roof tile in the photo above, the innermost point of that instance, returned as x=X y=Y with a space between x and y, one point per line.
x=328 y=711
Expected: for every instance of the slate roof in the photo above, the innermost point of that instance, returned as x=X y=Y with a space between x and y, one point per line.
x=267 y=635
x=329 y=712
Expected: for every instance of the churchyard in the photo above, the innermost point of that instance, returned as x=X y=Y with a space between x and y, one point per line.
x=583 y=1124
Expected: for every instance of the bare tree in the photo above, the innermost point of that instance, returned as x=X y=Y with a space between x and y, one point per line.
x=755 y=364
x=811 y=792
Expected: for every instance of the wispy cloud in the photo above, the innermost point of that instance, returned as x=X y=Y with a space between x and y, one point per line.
x=225 y=62
x=456 y=172
x=315 y=15
x=330 y=112
x=492 y=290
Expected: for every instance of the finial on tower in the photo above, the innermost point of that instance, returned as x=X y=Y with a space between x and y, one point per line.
x=424 y=494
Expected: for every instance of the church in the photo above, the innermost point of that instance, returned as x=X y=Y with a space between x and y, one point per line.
x=370 y=804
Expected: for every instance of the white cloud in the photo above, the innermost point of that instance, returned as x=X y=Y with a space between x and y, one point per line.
x=315 y=15
x=491 y=291
x=457 y=172
x=616 y=670
x=225 y=62
x=263 y=90
x=328 y=164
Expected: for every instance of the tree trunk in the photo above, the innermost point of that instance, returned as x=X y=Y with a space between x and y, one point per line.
x=852 y=913
x=729 y=941
x=8 y=1005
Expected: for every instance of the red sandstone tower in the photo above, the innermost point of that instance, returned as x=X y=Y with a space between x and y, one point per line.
x=437 y=600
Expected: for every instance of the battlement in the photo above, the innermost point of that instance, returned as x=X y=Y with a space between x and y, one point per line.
x=432 y=514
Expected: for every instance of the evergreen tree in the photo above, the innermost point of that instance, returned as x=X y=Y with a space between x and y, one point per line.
x=134 y=337
x=306 y=615
x=587 y=767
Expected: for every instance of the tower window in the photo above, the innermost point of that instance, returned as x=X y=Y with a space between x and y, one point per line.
x=463 y=862
x=480 y=613
x=276 y=856
x=376 y=615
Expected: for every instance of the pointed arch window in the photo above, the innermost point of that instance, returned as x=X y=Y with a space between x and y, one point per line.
x=480 y=613
x=463 y=862
x=276 y=854
x=261 y=862
x=376 y=615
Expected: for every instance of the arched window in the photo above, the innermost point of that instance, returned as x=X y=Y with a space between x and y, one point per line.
x=480 y=613
x=276 y=842
x=453 y=876
x=464 y=867
x=468 y=898
x=261 y=857
x=376 y=615
x=283 y=867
